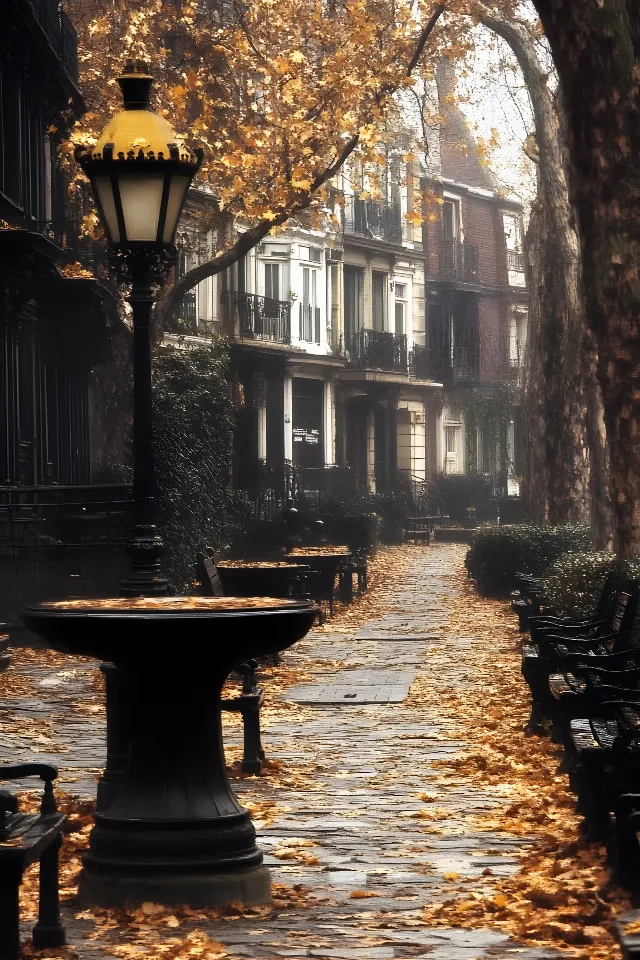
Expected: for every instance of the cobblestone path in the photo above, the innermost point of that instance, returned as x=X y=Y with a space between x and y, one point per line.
x=339 y=814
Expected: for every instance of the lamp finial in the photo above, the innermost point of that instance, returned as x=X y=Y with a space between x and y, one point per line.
x=136 y=83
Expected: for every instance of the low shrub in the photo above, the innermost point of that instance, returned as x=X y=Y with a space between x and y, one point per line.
x=498 y=553
x=575 y=580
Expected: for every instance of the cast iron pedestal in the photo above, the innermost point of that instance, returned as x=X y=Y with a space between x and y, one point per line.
x=168 y=828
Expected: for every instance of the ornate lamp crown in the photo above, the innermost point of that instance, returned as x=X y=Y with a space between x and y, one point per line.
x=139 y=169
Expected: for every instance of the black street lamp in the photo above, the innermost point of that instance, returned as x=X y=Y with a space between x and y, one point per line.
x=168 y=827
x=140 y=176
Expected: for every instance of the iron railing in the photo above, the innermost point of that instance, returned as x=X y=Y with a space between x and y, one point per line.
x=50 y=515
x=91 y=254
x=379 y=350
x=370 y=218
x=187 y=310
x=515 y=261
x=187 y=323
x=270 y=488
x=420 y=363
x=309 y=323
x=262 y=318
x=459 y=261
x=60 y=32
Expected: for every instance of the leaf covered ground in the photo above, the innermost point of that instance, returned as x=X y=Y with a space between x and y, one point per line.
x=426 y=828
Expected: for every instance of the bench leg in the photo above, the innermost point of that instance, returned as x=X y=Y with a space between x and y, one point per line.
x=10 y=914
x=346 y=586
x=253 y=754
x=48 y=931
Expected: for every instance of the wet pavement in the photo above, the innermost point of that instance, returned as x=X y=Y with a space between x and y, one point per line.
x=356 y=825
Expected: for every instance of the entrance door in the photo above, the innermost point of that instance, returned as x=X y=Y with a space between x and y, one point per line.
x=308 y=448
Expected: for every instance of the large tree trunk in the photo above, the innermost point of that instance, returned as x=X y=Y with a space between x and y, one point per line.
x=554 y=374
x=602 y=528
x=535 y=480
x=596 y=49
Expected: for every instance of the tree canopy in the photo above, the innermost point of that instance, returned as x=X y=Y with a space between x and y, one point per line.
x=279 y=94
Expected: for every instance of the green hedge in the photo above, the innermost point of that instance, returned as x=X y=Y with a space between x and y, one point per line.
x=498 y=553
x=574 y=582
x=193 y=413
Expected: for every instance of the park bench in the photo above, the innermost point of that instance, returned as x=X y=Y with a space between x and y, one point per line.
x=419 y=529
x=545 y=657
x=249 y=700
x=589 y=672
x=548 y=623
x=604 y=770
x=25 y=838
x=355 y=565
x=629 y=942
x=5 y=656
x=528 y=600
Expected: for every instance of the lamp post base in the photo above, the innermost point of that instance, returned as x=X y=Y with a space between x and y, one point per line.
x=144 y=550
x=251 y=887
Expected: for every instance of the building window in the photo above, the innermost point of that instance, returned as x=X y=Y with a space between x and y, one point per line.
x=272 y=281
x=353 y=302
x=453 y=448
x=309 y=309
x=401 y=308
x=307 y=400
x=379 y=295
x=451 y=219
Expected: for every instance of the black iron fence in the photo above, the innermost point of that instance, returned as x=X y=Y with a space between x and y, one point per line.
x=379 y=350
x=48 y=516
x=371 y=218
x=460 y=261
x=262 y=318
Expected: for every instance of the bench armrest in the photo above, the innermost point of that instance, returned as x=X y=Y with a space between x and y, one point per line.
x=19 y=771
x=46 y=771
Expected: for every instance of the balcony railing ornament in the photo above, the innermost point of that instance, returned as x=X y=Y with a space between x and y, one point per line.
x=261 y=318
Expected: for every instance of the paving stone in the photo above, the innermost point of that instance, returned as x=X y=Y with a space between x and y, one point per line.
x=366 y=767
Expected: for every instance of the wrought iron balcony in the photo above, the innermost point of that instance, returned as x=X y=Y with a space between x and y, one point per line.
x=309 y=323
x=77 y=248
x=515 y=261
x=60 y=32
x=262 y=318
x=461 y=367
x=421 y=366
x=187 y=323
x=379 y=350
x=459 y=261
x=370 y=218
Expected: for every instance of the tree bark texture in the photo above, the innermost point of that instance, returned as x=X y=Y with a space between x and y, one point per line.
x=602 y=527
x=557 y=457
x=596 y=49
x=535 y=479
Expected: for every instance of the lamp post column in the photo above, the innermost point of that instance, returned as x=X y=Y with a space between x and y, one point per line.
x=145 y=546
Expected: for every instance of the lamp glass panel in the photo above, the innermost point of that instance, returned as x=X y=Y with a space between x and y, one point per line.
x=104 y=191
x=177 y=191
x=141 y=198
